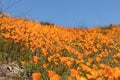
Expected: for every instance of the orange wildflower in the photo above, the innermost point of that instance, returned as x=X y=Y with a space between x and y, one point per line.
x=63 y=59
x=98 y=59
x=36 y=76
x=89 y=76
x=90 y=60
x=117 y=55
x=35 y=60
x=94 y=73
x=23 y=62
x=99 y=78
x=50 y=58
x=108 y=71
x=88 y=63
x=79 y=61
x=51 y=73
x=116 y=73
x=115 y=60
x=70 y=78
x=74 y=72
x=55 y=62
x=69 y=63
x=83 y=78
x=80 y=78
x=45 y=65
x=55 y=77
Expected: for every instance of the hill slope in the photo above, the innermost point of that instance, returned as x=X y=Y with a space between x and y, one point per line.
x=56 y=52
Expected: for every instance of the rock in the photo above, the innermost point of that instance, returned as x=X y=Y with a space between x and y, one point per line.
x=10 y=70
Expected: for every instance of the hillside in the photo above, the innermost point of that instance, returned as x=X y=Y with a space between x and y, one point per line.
x=51 y=52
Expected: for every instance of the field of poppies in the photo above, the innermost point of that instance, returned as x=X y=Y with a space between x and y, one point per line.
x=51 y=52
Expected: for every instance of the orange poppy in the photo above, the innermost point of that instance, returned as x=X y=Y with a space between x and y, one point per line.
x=35 y=60
x=70 y=78
x=98 y=59
x=99 y=78
x=55 y=77
x=23 y=62
x=51 y=73
x=45 y=65
x=74 y=72
x=36 y=76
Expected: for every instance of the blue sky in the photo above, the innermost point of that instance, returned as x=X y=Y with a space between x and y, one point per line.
x=69 y=13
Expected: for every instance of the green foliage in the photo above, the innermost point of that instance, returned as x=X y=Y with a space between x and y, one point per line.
x=11 y=51
x=46 y=23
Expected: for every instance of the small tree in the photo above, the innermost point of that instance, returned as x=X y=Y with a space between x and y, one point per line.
x=46 y=23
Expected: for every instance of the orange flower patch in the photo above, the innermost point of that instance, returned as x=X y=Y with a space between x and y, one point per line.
x=88 y=53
